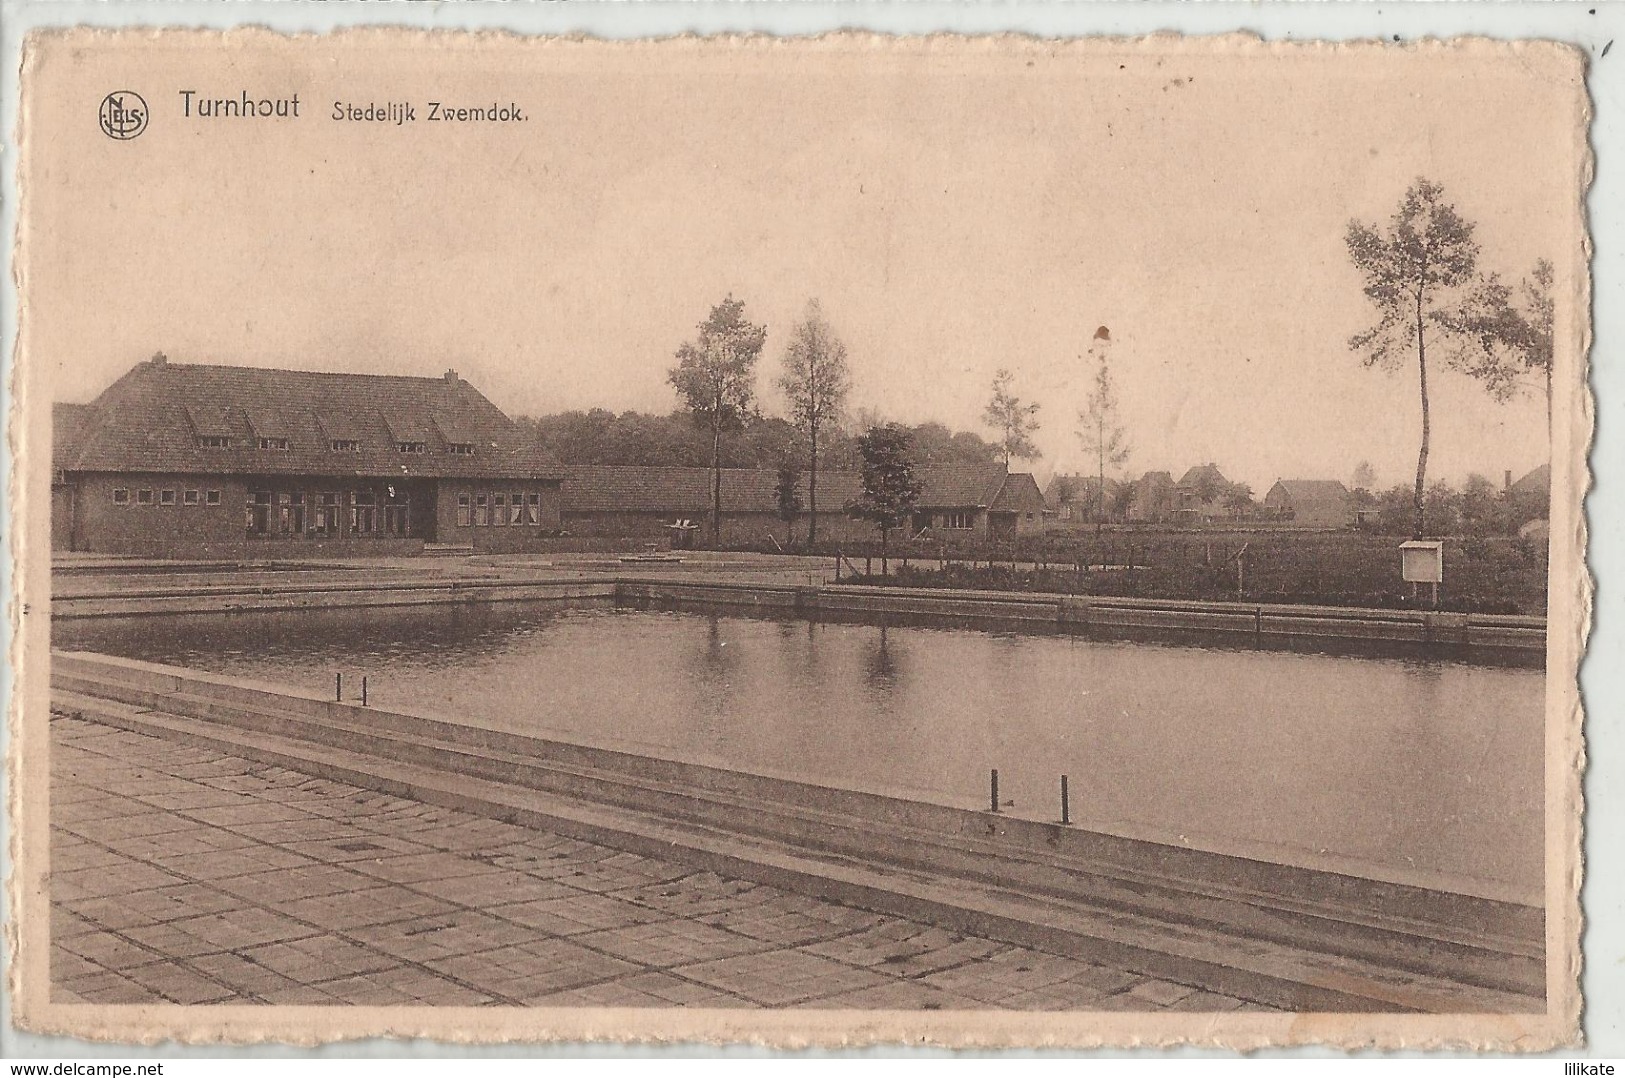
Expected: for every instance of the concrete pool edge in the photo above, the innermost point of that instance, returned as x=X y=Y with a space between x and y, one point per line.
x=1298 y=905
x=1263 y=624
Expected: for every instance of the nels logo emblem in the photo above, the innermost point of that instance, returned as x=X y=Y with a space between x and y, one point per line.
x=123 y=115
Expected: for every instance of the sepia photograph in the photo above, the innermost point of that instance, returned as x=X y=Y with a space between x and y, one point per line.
x=986 y=541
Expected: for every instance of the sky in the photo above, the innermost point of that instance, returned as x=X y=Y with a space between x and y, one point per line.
x=956 y=210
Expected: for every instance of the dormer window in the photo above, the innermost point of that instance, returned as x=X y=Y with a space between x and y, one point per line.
x=214 y=441
x=460 y=449
x=274 y=443
x=411 y=447
x=346 y=445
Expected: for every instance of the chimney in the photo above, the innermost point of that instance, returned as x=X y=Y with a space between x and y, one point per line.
x=451 y=376
x=159 y=360
x=1507 y=482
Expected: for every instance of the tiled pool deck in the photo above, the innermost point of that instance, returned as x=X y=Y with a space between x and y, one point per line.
x=184 y=875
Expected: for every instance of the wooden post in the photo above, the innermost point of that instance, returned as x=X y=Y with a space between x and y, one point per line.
x=363 y=690
x=995 y=785
x=1066 y=807
x=338 y=687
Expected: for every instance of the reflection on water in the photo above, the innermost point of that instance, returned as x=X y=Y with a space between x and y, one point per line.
x=1419 y=770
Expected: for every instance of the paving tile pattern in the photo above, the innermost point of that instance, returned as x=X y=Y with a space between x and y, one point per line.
x=184 y=875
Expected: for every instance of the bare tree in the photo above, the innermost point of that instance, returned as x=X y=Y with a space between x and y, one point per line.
x=1415 y=270
x=716 y=378
x=1014 y=421
x=1100 y=428
x=816 y=381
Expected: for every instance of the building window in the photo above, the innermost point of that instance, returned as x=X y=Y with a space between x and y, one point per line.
x=274 y=443
x=166 y=497
x=397 y=512
x=346 y=445
x=143 y=497
x=259 y=512
x=957 y=521
x=190 y=497
x=327 y=513
x=410 y=447
x=364 y=512
x=291 y=512
x=465 y=512
x=482 y=511
x=121 y=496
x=499 y=510
x=533 y=509
x=214 y=441
x=460 y=449
x=212 y=498
x=516 y=508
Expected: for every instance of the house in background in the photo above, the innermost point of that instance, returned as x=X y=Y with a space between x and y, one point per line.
x=182 y=460
x=1529 y=502
x=631 y=502
x=978 y=501
x=1199 y=495
x=1310 y=503
x=1155 y=497
x=1072 y=500
x=957 y=501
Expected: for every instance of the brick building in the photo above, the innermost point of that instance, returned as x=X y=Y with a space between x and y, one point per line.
x=957 y=502
x=217 y=461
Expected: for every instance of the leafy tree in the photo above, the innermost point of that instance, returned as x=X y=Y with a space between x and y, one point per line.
x=1395 y=510
x=890 y=487
x=1415 y=271
x=1101 y=431
x=1209 y=485
x=1535 y=338
x=1444 y=507
x=1123 y=495
x=787 y=495
x=816 y=382
x=1364 y=478
x=1014 y=421
x=1481 y=510
x=934 y=443
x=1238 y=498
x=715 y=378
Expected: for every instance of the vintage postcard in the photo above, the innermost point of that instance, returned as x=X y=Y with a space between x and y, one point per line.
x=847 y=540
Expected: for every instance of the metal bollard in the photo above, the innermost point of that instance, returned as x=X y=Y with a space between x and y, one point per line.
x=995 y=798
x=1066 y=807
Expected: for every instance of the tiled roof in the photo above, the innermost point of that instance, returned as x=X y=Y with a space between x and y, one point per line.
x=153 y=418
x=594 y=488
x=1302 y=493
x=1018 y=494
x=961 y=486
x=1194 y=476
x=687 y=491
x=1538 y=481
x=67 y=428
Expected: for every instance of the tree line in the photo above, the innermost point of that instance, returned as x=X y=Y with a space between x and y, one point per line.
x=650 y=439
